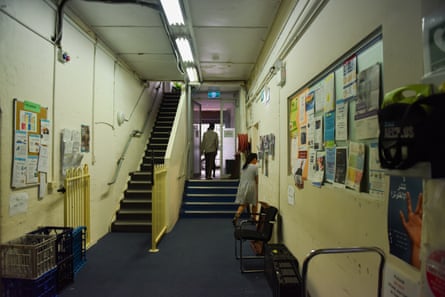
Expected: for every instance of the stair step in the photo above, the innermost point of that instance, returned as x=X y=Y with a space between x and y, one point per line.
x=208 y=214
x=211 y=190
x=131 y=226
x=210 y=206
x=133 y=214
x=211 y=203
x=139 y=185
x=141 y=176
x=209 y=195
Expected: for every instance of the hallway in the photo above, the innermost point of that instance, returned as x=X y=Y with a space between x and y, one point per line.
x=195 y=259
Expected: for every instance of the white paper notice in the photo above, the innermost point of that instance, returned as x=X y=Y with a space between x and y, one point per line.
x=290 y=195
x=43 y=159
x=398 y=284
x=18 y=203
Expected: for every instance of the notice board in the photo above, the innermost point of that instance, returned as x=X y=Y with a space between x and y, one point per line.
x=333 y=122
x=31 y=130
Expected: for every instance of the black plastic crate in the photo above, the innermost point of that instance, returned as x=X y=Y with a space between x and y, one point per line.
x=64 y=240
x=282 y=271
x=65 y=273
x=44 y=286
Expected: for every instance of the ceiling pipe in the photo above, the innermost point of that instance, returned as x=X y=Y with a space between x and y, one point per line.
x=59 y=23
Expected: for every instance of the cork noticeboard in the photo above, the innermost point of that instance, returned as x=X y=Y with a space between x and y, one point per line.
x=31 y=131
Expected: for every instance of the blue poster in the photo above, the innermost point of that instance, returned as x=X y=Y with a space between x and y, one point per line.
x=405 y=218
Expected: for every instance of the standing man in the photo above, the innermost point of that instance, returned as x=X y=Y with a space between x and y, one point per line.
x=209 y=146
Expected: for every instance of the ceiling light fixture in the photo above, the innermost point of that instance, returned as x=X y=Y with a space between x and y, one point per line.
x=192 y=74
x=173 y=12
x=184 y=50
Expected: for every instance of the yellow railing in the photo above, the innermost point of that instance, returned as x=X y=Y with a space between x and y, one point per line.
x=158 y=225
x=77 y=199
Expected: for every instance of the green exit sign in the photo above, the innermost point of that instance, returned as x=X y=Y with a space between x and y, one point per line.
x=214 y=94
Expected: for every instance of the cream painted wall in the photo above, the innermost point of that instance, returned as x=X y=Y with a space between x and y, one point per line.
x=330 y=217
x=89 y=90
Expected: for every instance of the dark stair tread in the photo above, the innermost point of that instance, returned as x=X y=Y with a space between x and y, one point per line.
x=132 y=223
x=212 y=187
x=208 y=212
x=134 y=211
x=136 y=200
x=209 y=203
x=135 y=191
x=209 y=195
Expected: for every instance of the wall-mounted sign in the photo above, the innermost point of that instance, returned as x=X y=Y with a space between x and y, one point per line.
x=214 y=94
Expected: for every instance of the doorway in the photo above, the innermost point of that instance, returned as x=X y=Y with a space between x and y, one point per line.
x=222 y=114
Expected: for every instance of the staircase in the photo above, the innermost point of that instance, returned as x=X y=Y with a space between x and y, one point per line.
x=134 y=214
x=209 y=199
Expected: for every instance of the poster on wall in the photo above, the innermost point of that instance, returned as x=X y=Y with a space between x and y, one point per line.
x=341 y=120
x=293 y=117
x=300 y=172
x=329 y=92
x=368 y=102
x=433 y=246
x=350 y=78
x=405 y=218
x=329 y=129
x=376 y=174
x=434 y=42
x=356 y=165
x=341 y=161
x=319 y=172
x=330 y=164
x=302 y=106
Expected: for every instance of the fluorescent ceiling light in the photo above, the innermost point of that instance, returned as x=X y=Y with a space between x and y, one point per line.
x=192 y=74
x=173 y=12
x=184 y=49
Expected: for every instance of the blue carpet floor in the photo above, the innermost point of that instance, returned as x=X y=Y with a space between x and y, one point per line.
x=195 y=259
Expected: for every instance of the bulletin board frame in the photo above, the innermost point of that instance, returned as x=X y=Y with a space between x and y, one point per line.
x=27 y=133
x=366 y=53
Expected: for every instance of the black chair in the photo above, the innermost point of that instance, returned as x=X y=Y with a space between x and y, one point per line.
x=258 y=231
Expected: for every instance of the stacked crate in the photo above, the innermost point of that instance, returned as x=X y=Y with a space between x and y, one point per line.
x=64 y=253
x=28 y=266
x=282 y=271
x=79 y=248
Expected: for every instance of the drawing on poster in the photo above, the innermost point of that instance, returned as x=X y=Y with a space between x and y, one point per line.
x=405 y=218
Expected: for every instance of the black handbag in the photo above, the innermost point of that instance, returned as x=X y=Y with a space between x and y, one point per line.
x=412 y=129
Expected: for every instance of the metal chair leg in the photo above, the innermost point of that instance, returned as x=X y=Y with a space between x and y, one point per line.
x=242 y=257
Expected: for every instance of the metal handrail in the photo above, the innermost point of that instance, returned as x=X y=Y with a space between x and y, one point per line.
x=314 y=253
x=134 y=133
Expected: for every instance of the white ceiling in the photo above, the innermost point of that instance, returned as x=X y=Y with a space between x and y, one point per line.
x=227 y=36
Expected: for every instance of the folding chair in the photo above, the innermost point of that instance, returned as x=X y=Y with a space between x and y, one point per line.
x=259 y=231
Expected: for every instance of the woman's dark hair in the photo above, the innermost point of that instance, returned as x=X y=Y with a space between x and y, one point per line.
x=249 y=159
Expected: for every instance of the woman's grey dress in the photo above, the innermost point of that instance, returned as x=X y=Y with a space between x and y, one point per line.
x=247 y=189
